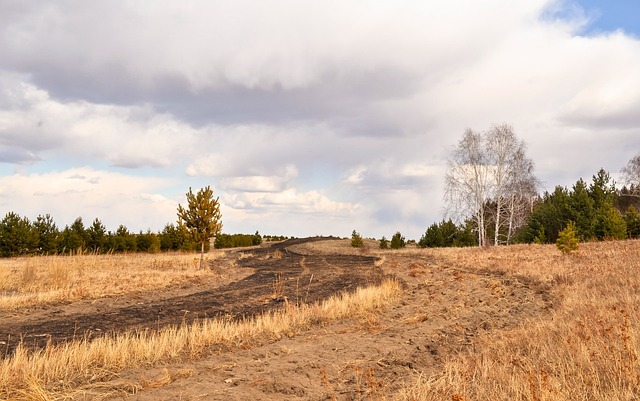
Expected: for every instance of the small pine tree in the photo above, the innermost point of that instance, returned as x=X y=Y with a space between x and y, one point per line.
x=201 y=219
x=356 y=239
x=384 y=243
x=568 y=239
x=632 y=218
x=398 y=241
x=540 y=237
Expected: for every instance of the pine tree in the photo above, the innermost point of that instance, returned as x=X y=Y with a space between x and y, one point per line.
x=356 y=240
x=96 y=236
x=48 y=233
x=632 y=218
x=567 y=239
x=432 y=238
x=17 y=235
x=202 y=218
x=398 y=241
x=384 y=243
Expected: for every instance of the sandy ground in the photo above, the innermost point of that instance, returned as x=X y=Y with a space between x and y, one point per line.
x=441 y=312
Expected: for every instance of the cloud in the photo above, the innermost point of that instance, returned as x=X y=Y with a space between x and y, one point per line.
x=303 y=115
x=113 y=198
x=36 y=126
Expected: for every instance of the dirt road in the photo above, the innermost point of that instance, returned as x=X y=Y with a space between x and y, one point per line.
x=265 y=278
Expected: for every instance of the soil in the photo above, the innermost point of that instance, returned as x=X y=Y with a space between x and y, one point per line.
x=260 y=279
x=442 y=312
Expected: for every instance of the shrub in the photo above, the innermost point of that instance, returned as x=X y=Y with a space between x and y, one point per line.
x=356 y=239
x=567 y=241
x=397 y=241
x=384 y=243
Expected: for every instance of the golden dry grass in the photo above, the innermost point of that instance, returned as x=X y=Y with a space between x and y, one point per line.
x=587 y=348
x=30 y=281
x=79 y=367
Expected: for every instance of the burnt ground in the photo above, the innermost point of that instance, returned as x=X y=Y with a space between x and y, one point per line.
x=444 y=310
x=269 y=276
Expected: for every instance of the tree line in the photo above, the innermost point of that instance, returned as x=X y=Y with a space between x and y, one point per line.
x=492 y=197
x=491 y=190
x=198 y=221
x=20 y=236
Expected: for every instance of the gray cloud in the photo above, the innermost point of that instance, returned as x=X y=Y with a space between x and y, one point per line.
x=362 y=100
x=14 y=155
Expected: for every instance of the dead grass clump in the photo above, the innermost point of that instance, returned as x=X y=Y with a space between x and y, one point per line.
x=415 y=272
x=28 y=277
x=278 y=286
x=52 y=372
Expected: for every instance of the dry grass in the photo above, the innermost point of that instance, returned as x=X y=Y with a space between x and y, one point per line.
x=587 y=348
x=31 y=281
x=75 y=367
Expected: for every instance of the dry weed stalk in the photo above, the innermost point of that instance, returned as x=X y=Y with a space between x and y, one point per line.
x=72 y=365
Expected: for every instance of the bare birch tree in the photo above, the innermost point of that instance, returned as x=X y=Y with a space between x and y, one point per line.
x=631 y=174
x=513 y=184
x=489 y=178
x=467 y=182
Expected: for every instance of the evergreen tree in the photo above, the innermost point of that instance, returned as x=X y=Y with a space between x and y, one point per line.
x=465 y=236
x=123 y=241
x=172 y=238
x=202 y=218
x=356 y=240
x=549 y=216
x=602 y=190
x=73 y=238
x=147 y=242
x=567 y=239
x=256 y=239
x=48 y=234
x=581 y=209
x=632 y=220
x=398 y=241
x=432 y=238
x=17 y=236
x=609 y=224
x=384 y=243
x=96 y=236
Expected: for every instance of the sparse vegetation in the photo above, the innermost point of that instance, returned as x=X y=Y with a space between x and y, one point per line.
x=584 y=344
x=38 y=280
x=587 y=348
x=75 y=365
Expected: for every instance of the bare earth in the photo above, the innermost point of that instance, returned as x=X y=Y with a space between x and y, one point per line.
x=441 y=311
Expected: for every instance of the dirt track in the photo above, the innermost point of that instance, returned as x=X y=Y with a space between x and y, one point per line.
x=445 y=309
x=268 y=276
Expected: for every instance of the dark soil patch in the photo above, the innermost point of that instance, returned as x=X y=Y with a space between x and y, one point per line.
x=279 y=275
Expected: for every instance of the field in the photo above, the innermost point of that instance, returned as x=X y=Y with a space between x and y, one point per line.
x=317 y=319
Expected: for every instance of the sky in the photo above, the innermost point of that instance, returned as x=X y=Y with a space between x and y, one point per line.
x=305 y=117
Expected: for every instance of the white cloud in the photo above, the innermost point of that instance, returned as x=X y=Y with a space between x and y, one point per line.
x=85 y=192
x=336 y=113
x=124 y=136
